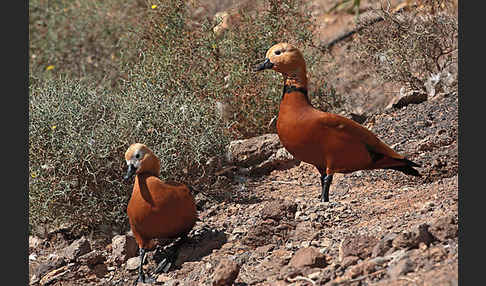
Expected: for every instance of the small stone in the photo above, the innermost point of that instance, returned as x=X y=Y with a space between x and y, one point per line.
x=297 y=214
x=92 y=258
x=123 y=248
x=133 y=263
x=35 y=242
x=76 y=249
x=413 y=239
x=379 y=260
x=401 y=267
x=314 y=275
x=225 y=273
x=444 y=228
x=365 y=267
x=281 y=256
x=53 y=275
x=360 y=246
x=397 y=256
x=238 y=230
x=54 y=261
x=437 y=253
x=279 y=209
x=308 y=256
x=173 y=282
x=100 y=270
x=383 y=245
x=162 y=278
x=305 y=244
x=422 y=246
x=348 y=261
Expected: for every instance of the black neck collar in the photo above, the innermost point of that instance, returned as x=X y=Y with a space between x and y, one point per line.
x=292 y=88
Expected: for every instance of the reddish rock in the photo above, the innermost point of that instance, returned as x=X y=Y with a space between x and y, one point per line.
x=53 y=262
x=252 y=151
x=348 y=261
x=360 y=246
x=35 y=242
x=414 y=238
x=281 y=257
x=133 y=263
x=123 y=248
x=401 y=267
x=308 y=256
x=260 y=154
x=225 y=273
x=363 y=268
x=279 y=209
x=437 y=253
x=444 y=228
x=383 y=245
x=54 y=275
x=76 y=249
x=92 y=258
x=259 y=235
x=100 y=270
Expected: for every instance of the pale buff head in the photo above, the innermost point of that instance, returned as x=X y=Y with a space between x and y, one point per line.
x=140 y=159
x=284 y=58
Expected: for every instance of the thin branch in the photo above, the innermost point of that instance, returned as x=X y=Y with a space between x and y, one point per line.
x=301 y=278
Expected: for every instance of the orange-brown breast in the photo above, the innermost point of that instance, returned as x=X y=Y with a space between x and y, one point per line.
x=328 y=140
x=159 y=210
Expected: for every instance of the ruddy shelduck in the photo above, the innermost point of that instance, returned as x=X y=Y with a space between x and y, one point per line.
x=330 y=142
x=156 y=209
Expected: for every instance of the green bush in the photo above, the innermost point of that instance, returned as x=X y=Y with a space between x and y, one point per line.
x=78 y=135
x=82 y=38
x=221 y=68
x=412 y=46
x=149 y=72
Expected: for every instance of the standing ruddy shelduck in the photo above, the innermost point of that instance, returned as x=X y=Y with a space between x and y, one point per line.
x=156 y=209
x=332 y=143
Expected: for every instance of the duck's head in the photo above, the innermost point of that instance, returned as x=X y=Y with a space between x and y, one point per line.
x=140 y=159
x=283 y=58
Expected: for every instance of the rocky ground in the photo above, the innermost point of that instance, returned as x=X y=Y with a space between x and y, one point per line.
x=379 y=228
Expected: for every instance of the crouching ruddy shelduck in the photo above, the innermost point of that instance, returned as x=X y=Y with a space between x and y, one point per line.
x=156 y=209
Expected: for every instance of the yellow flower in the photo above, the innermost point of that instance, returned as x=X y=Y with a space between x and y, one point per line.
x=53 y=127
x=48 y=68
x=154 y=6
x=33 y=174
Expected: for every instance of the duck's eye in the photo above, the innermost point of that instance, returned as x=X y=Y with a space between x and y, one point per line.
x=278 y=52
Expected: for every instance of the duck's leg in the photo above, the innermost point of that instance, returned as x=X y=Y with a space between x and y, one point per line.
x=170 y=258
x=141 y=275
x=326 y=180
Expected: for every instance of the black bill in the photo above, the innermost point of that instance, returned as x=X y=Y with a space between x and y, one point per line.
x=267 y=64
x=131 y=170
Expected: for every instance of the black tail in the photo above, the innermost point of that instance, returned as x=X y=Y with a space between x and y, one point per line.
x=407 y=169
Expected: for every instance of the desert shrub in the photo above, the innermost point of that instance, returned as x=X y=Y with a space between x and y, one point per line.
x=412 y=47
x=82 y=38
x=78 y=135
x=143 y=71
x=221 y=68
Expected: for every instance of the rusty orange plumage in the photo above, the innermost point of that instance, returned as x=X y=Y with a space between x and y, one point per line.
x=330 y=142
x=156 y=209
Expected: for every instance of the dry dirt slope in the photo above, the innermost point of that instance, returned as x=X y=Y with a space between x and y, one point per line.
x=365 y=206
x=380 y=228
